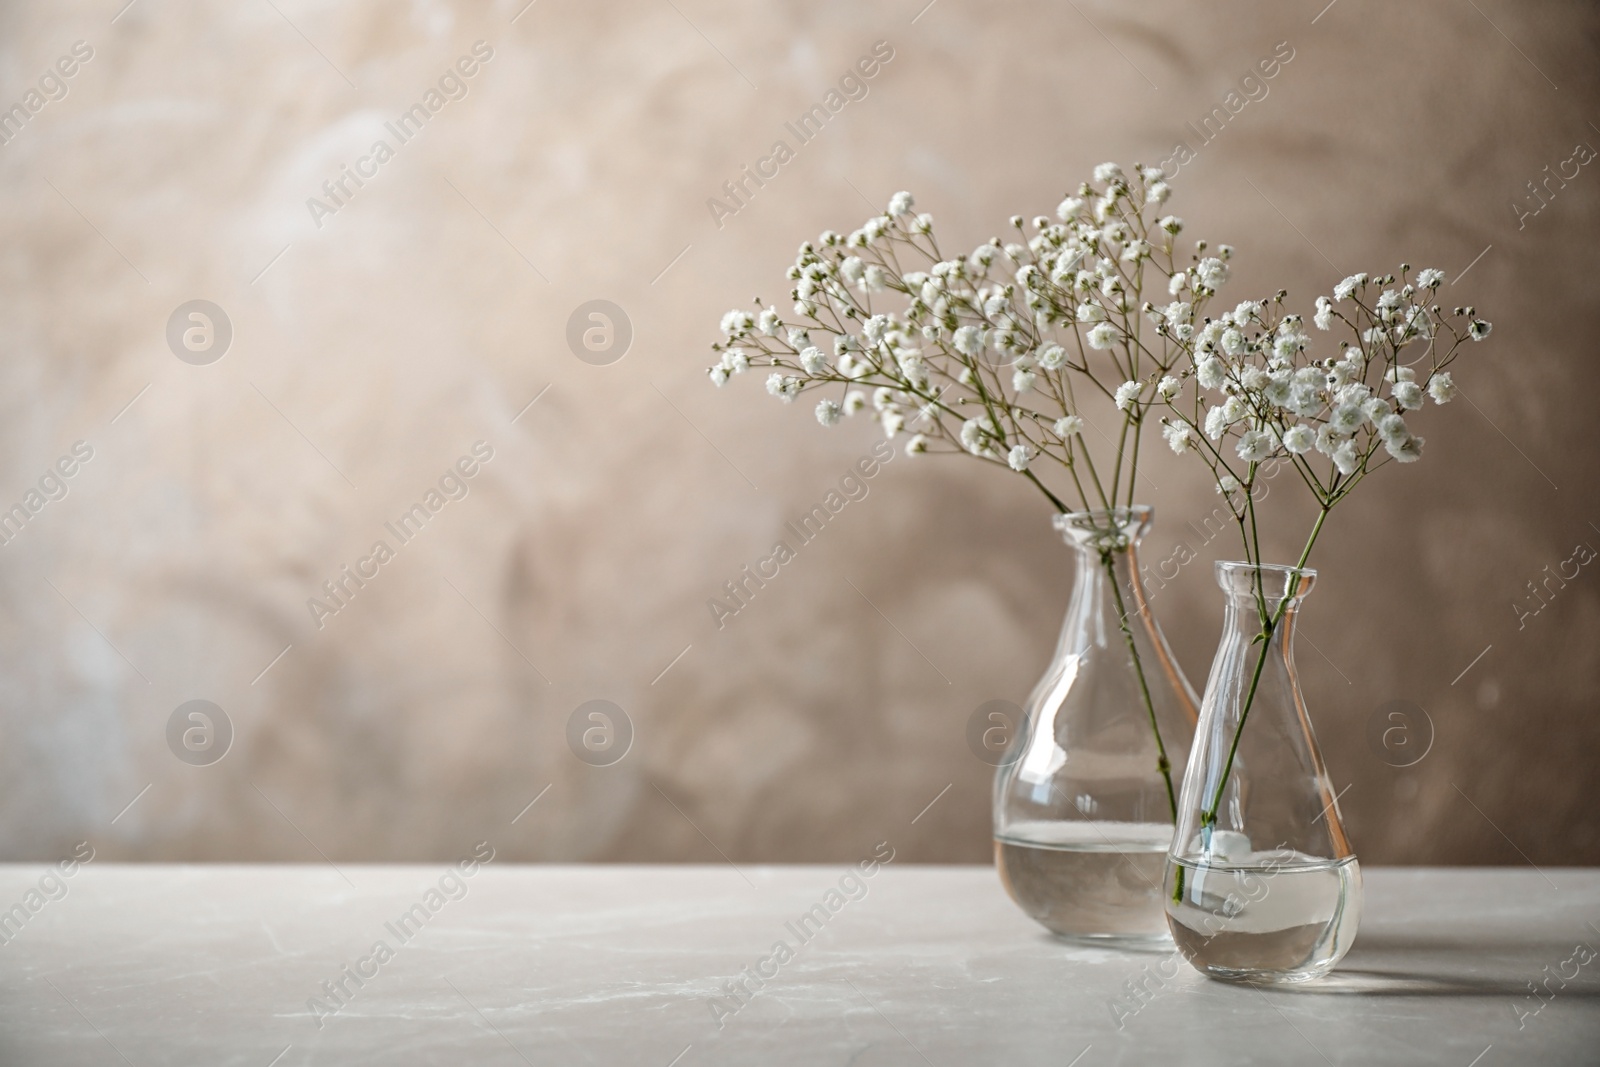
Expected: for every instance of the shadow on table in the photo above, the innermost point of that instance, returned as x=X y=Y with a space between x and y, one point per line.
x=1494 y=966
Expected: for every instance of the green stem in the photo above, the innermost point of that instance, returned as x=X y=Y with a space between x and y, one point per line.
x=1208 y=817
x=1162 y=762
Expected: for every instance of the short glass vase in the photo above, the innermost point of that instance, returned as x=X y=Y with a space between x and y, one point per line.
x=1262 y=885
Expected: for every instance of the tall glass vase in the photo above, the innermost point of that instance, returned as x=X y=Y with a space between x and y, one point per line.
x=1261 y=885
x=1085 y=801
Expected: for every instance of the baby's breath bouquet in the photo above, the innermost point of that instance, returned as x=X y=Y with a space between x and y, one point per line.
x=1010 y=354
x=1259 y=817
x=1261 y=400
x=991 y=353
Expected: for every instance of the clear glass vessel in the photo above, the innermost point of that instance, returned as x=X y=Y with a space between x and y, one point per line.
x=1261 y=884
x=1085 y=800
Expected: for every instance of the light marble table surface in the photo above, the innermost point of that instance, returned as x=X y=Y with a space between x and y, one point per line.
x=226 y=965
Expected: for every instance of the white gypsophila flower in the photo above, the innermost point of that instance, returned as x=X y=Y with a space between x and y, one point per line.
x=901 y=203
x=1407 y=449
x=1106 y=173
x=736 y=361
x=968 y=340
x=1127 y=394
x=1178 y=313
x=799 y=337
x=783 y=386
x=1068 y=425
x=893 y=422
x=873 y=279
x=1019 y=457
x=1279 y=390
x=1168 y=387
x=1022 y=380
x=770 y=323
x=828 y=412
x=737 y=323
x=719 y=376
x=1418 y=323
x=1235 y=409
x=1429 y=278
x=1479 y=329
x=917 y=445
x=1346 y=418
x=1346 y=458
x=1216 y=422
x=1254 y=446
x=1344 y=289
x=1388 y=300
x=812 y=361
x=1299 y=439
x=1328 y=439
x=914 y=367
x=805 y=309
x=1392 y=428
x=1177 y=283
x=1090 y=313
x=851 y=269
x=1407 y=395
x=1158 y=193
x=1179 y=436
x=1254 y=379
x=923 y=223
x=1212 y=272
x=854 y=401
x=1102 y=336
x=1070 y=208
x=1442 y=387
x=1211 y=372
x=978 y=436
x=882 y=397
x=1052 y=356
x=1227 y=484
x=1399 y=374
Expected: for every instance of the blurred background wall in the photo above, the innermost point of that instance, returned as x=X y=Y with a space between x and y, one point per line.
x=377 y=339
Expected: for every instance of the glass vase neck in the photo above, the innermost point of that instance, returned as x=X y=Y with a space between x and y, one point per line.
x=1105 y=529
x=1276 y=585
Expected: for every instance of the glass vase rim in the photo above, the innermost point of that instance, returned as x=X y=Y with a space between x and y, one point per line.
x=1235 y=576
x=1123 y=525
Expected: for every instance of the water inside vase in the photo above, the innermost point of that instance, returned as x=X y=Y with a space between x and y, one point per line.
x=1270 y=918
x=1099 y=881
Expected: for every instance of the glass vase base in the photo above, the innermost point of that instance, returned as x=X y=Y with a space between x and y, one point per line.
x=1272 y=923
x=1086 y=882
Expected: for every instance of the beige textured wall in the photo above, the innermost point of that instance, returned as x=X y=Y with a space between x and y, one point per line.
x=372 y=352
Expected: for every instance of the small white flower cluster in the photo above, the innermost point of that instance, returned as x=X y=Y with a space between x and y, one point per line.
x=1261 y=395
x=986 y=353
